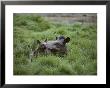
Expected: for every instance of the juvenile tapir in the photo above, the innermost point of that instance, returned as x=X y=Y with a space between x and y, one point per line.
x=57 y=46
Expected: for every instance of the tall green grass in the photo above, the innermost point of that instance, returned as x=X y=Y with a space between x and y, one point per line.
x=82 y=48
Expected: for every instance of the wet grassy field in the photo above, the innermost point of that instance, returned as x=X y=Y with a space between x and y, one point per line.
x=82 y=48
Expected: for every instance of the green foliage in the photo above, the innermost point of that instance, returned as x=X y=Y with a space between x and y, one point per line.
x=82 y=48
x=35 y=23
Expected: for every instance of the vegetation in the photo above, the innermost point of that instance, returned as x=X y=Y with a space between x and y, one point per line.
x=82 y=48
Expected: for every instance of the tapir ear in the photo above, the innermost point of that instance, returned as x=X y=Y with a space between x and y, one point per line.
x=56 y=38
x=67 y=40
x=38 y=42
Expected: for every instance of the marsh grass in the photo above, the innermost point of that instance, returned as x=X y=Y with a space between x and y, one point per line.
x=82 y=49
